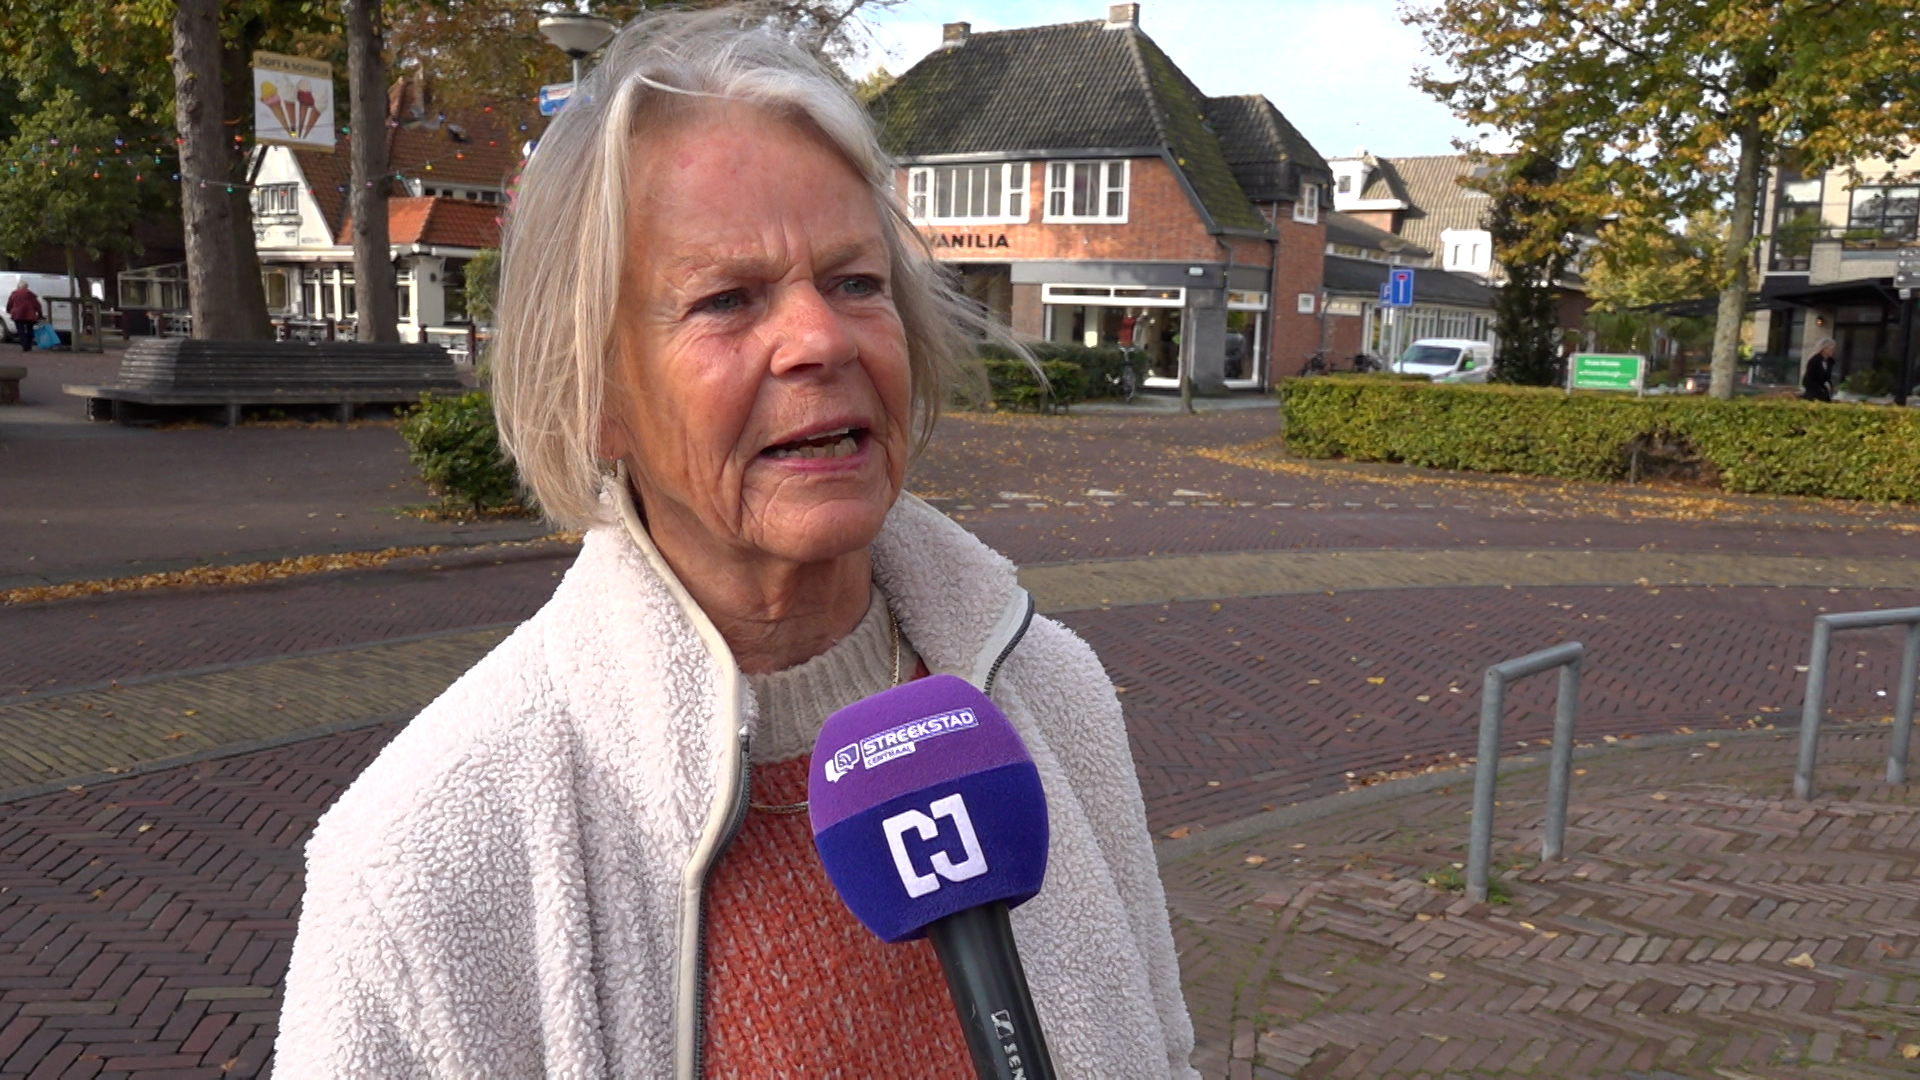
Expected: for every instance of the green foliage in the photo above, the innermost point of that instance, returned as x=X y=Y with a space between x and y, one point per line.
x=456 y=447
x=1015 y=386
x=1664 y=108
x=483 y=284
x=1870 y=382
x=1454 y=880
x=1766 y=446
x=1534 y=245
x=54 y=192
x=1077 y=373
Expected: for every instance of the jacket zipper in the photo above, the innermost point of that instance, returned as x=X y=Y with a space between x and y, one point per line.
x=993 y=673
x=741 y=797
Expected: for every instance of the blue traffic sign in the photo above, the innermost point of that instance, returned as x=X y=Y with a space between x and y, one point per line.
x=1400 y=283
x=554 y=98
x=1386 y=294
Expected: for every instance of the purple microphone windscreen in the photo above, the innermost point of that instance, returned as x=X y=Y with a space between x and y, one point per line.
x=924 y=803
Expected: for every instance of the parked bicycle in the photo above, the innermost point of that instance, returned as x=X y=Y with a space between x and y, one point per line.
x=1124 y=383
x=1316 y=363
x=1365 y=362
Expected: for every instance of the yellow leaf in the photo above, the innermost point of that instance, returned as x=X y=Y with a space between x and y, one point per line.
x=1180 y=833
x=1804 y=960
x=1910 y=1051
x=1377 y=680
x=1436 y=976
x=188 y=712
x=1256 y=860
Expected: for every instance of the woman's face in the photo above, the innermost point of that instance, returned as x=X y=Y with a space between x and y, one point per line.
x=760 y=394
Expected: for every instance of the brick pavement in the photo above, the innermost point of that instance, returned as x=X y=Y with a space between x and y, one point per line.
x=1234 y=703
x=1704 y=924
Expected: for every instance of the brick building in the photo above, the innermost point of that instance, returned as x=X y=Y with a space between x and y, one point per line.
x=1086 y=191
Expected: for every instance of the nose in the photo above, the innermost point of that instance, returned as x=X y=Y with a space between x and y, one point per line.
x=807 y=331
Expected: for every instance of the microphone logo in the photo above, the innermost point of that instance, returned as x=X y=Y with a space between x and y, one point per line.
x=843 y=761
x=896 y=827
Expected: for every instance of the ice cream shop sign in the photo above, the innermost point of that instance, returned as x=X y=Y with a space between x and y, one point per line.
x=293 y=101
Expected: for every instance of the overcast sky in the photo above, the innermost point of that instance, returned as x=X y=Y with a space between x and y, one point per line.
x=1339 y=69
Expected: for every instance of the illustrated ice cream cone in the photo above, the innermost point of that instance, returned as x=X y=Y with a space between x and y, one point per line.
x=270 y=97
x=308 y=112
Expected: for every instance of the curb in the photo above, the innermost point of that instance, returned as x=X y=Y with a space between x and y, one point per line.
x=1168 y=852
x=454 y=545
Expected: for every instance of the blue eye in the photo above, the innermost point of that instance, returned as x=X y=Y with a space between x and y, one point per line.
x=860 y=286
x=723 y=303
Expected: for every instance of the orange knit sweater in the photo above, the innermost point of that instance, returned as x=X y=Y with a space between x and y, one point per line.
x=796 y=986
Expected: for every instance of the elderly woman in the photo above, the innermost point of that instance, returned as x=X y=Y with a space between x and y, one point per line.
x=1816 y=377
x=720 y=345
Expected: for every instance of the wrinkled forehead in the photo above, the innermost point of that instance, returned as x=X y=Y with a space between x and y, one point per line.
x=712 y=179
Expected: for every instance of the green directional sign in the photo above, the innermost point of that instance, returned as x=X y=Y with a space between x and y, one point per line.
x=1606 y=371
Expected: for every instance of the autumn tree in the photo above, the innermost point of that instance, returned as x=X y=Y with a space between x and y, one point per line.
x=1670 y=107
x=58 y=189
x=490 y=53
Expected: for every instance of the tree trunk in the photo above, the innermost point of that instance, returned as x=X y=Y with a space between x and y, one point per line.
x=376 y=304
x=216 y=295
x=1733 y=297
x=249 y=291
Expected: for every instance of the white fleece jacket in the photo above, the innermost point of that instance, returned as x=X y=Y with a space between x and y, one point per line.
x=508 y=889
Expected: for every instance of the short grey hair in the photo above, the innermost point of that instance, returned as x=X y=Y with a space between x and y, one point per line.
x=564 y=243
x=1821 y=344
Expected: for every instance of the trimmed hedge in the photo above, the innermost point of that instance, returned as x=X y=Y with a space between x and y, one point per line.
x=1075 y=372
x=1767 y=446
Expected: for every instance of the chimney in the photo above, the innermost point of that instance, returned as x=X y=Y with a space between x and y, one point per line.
x=955 y=34
x=1123 y=16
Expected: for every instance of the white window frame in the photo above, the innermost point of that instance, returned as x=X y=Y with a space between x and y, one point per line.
x=1015 y=196
x=1306 y=208
x=1304 y=303
x=1112 y=296
x=1059 y=180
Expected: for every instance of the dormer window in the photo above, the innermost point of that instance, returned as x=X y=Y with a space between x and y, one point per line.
x=968 y=194
x=1306 y=208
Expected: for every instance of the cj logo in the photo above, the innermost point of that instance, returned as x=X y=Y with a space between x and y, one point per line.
x=896 y=827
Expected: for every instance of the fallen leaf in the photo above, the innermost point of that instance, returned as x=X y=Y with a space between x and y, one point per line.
x=1180 y=833
x=1423 y=917
x=1424 y=697
x=1529 y=926
x=1297 y=847
x=1713 y=746
x=1659 y=796
x=145 y=827
x=1436 y=976
x=188 y=712
x=1910 y=1051
x=1377 y=680
x=1256 y=860
x=175 y=735
x=1804 y=960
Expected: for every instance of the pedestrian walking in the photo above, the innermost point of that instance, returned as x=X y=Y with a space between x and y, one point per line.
x=1816 y=381
x=23 y=307
x=591 y=856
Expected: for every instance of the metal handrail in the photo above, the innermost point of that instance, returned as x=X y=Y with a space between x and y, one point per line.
x=1814 y=707
x=1486 y=776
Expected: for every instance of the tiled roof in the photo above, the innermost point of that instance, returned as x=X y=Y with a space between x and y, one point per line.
x=1360 y=277
x=1350 y=231
x=454 y=223
x=1072 y=87
x=1383 y=181
x=1434 y=186
x=1268 y=155
x=479 y=149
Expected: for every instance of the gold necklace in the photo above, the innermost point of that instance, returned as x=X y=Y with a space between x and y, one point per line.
x=893 y=642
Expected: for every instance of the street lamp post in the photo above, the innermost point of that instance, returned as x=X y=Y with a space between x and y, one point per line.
x=576 y=33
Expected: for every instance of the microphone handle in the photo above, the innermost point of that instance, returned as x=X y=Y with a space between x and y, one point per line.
x=989 y=990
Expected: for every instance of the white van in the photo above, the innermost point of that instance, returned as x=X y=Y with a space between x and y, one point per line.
x=44 y=286
x=1447 y=360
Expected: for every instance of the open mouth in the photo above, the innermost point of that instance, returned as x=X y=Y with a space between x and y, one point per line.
x=828 y=444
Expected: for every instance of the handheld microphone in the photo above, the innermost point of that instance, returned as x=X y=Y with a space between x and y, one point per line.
x=931 y=822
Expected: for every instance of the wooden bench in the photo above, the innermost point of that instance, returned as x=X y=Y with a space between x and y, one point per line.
x=159 y=373
x=10 y=376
